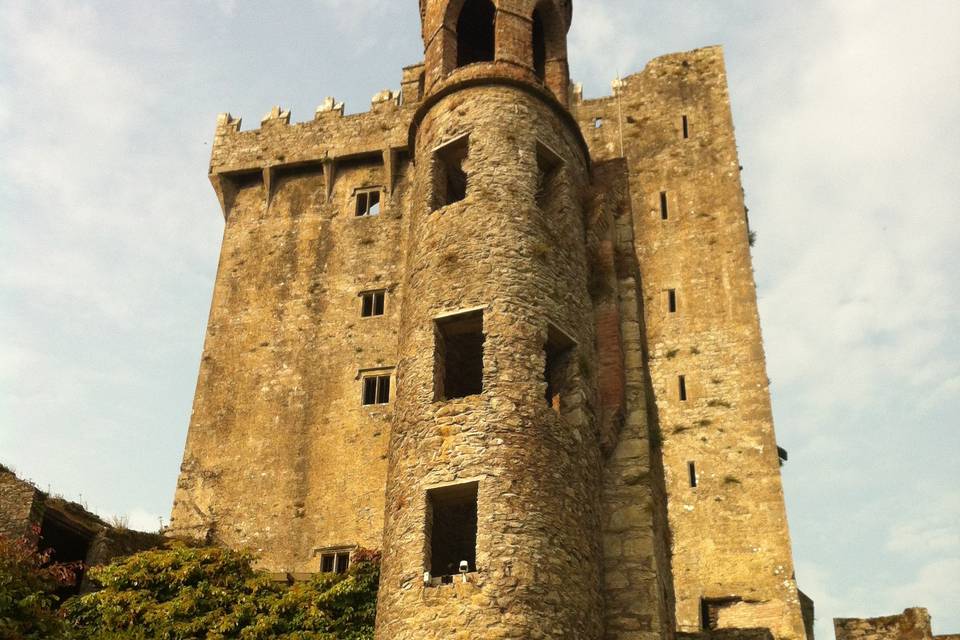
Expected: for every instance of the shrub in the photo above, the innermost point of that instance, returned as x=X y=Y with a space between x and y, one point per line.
x=28 y=582
x=215 y=594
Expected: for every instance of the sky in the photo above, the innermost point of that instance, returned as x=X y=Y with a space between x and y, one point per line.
x=846 y=115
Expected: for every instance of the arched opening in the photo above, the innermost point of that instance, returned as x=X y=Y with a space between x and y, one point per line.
x=539 y=46
x=475 y=32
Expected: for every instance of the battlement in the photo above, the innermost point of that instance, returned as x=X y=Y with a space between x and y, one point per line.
x=329 y=136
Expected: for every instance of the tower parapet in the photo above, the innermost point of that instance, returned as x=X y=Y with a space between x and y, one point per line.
x=520 y=38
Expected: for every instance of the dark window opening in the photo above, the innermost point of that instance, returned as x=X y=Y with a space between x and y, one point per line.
x=449 y=178
x=458 y=364
x=686 y=128
x=539 y=46
x=682 y=387
x=368 y=203
x=664 y=211
x=692 y=472
x=372 y=303
x=548 y=165
x=376 y=389
x=452 y=521
x=68 y=545
x=672 y=300
x=476 y=32
x=335 y=562
x=559 y=351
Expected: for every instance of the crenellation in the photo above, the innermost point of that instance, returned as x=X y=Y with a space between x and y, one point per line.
x=329 y=106
x=276 y=115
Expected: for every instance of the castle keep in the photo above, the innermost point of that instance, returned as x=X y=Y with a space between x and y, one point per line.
x=506 y=335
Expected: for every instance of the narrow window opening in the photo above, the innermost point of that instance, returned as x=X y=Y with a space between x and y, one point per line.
x=452 y=527
x=372 y=303
x=682 y=387
x=449 y=178
x=539 y=46
x=376 y=389
x=458 y=356
x=686 y=128
x=368 y=203
x=692 y=472
x=672 y=300
x=476 y=32
x=664 y=210
x=597 y=123
x=548 y=166
x=559 y=350
x=335 y=562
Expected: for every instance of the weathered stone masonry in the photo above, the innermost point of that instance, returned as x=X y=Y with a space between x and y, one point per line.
x=568 y=341
x=67 y=529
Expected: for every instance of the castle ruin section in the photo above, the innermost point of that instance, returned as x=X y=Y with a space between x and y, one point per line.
x=732 y=561
x=912 y=624
x=506 y=335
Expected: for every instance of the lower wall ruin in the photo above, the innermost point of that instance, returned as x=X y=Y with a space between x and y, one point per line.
x=912 y=624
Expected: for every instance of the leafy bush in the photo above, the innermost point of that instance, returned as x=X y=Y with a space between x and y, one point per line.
x=214 y=594
x=28 y=582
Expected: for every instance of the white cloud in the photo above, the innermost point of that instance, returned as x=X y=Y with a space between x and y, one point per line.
x=931 y=526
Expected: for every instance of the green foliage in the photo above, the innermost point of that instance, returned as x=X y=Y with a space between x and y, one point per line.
x=28 y=580
x=214 y=594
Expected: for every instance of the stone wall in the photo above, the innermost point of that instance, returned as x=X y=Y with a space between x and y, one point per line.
x=729 y=533
x=727 y=634
x=912 y=624
x=282 y=457
x=637 y=574
x=522 y=261
x=19 y=504
x=23 y=507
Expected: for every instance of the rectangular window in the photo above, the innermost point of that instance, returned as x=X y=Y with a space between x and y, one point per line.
x=376 y=389
x=682 y=387
x=686 y=128
x=692 y=471
x=672 y=300
x=557 y=373
x=334 y=561
x=597 y=123
x=458 y=356
x=664 y=210
x=368 y=203
x=452 y=528
x=449 y=177
x=372 y=303
x=548 y=165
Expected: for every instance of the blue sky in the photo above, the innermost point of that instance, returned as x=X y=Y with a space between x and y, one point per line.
x=846 y=114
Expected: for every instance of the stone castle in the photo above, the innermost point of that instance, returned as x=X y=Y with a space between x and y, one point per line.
x=506 y=335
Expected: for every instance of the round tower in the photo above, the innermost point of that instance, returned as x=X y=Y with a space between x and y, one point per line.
x=492 y=527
